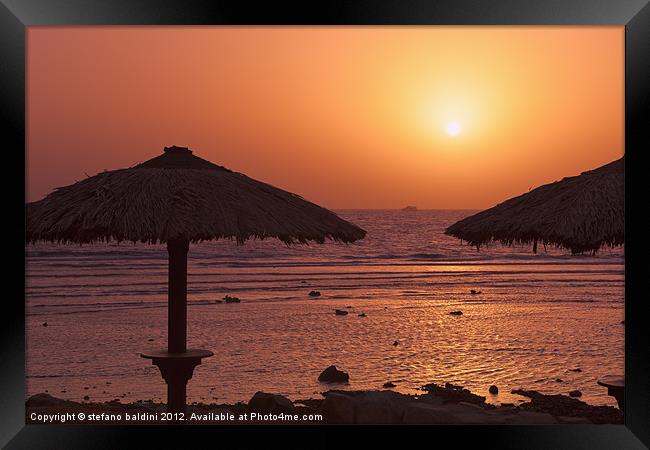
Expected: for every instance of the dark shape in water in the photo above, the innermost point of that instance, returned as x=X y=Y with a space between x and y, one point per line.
x=410 y=208
x=314 y=294
x=333 y=375
x=456 y=313
x=396 y=343
x=389 y=384
x=474 y=292
x=230 y=299
x=575 y=393
x=362 y=315
x=562 y=405
x=453 y=393
x=340 y=312
x=44 y=324
x=578 y=369
x=265 y=403
x=493 y=390
x=44 y=400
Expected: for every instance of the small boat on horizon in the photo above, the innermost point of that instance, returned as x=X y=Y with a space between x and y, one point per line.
x=410 y=208
x=230 y=299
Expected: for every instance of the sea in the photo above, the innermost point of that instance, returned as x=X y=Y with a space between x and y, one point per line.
x=551 y=321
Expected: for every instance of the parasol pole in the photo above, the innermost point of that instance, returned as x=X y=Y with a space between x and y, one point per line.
x=177 y=320
x=177 y=363
x=177 y=296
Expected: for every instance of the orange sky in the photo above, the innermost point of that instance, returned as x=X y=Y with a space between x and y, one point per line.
x=347 y=117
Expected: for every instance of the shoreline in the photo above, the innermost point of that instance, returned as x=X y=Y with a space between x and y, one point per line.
x=448 y=404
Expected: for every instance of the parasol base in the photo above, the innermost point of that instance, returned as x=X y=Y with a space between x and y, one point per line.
x=615 y=385
x=176 y=370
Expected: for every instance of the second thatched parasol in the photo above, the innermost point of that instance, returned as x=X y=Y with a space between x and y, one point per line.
x=178 y=198
x=581 y=213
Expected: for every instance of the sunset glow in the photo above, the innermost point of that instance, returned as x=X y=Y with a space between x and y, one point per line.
x=389 y=229
x=365 y=117
x=453 y=128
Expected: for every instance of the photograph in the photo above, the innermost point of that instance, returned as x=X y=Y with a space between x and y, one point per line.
x=291 y=225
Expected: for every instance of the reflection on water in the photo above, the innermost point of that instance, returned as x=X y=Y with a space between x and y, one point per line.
x=538 y=318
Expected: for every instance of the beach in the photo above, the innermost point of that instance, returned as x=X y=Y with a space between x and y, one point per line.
x=434 y=404
x=549 y=322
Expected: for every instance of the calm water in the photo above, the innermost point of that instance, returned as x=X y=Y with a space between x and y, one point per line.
x=538 y=317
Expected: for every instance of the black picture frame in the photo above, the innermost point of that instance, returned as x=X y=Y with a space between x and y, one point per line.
x=16 y=15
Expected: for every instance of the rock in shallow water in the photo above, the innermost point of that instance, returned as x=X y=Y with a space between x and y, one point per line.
x=264 y=403
x=420 y=413
x=44 y=400
x=562 y=405
x=493 y=390
x=364 y=407
x=453 y=393
x=338 y=408
x=379 y=408
x=333 y=375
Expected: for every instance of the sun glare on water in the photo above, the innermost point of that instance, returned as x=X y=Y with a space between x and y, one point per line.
x=453 y=128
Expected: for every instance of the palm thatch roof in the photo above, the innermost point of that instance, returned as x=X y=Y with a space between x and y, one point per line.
x=581 y=213
x=179 y=195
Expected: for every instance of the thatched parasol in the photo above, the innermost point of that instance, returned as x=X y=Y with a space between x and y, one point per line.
x=177 y=198
x=581 y=213
x=180 y=196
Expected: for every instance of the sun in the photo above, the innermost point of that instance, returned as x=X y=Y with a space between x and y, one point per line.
x=453 y=128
